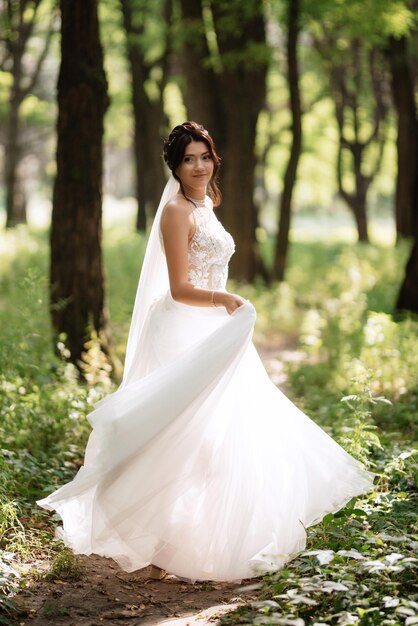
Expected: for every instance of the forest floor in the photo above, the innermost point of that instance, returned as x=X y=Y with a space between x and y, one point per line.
x=102 y=593
x=328 y=340
x=105 y=594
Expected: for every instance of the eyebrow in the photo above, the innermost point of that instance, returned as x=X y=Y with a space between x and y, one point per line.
x=194 y=154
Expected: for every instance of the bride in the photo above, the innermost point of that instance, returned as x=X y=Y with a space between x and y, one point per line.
x=198 y=464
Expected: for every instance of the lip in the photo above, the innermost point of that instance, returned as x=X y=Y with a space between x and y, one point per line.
x=199 y=175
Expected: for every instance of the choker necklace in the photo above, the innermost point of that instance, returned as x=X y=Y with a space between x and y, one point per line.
x=195 y=201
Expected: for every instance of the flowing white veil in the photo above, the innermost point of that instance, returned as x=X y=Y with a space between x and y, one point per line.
x=153 y=281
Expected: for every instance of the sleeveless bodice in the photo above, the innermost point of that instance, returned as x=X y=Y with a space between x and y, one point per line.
x=210 y=249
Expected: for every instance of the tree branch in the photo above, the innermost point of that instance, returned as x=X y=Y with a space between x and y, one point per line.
x=41 y=59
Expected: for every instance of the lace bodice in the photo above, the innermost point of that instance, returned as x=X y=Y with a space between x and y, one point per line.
x=209 y=250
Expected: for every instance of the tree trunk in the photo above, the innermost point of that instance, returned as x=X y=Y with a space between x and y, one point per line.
x=227 y=101
x=202 y=85
x=18 y=25
x=15 y=207
x=156 y=177
x=77 y=283
x=358 y=206
x=242 y=94
x=149 y=122
x=404 y=100
x=408 y=294
x=351 y=79
x=238 y=181
x=282 y=242
x=357 y=200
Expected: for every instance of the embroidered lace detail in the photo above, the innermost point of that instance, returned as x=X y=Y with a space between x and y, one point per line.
x=209 y=250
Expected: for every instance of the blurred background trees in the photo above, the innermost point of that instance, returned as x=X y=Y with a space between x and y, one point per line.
x=27 y=27
x=147 y=44
x=225 y=90
x=76 y=273
x=312 y=105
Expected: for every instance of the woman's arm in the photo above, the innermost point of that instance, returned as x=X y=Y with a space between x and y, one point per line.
x=177 y=228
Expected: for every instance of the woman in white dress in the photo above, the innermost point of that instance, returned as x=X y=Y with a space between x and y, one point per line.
x=198 y=464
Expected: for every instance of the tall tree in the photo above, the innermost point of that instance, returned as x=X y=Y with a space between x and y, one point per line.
x=408 y=294
x=359 y=87
x=282 y=240
x=244 y=57
x=348 y=105
x=226 y=90
x=403 y=94
x=201 y=89
x=18 y=20
x=77 y=283
x=149 y=70
x=389 y=30
x=407 y=187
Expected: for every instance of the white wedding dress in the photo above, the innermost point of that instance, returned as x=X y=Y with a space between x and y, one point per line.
x=198 y=463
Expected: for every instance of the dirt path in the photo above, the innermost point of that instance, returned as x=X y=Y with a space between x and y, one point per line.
x=105 y=594
x=275 y=353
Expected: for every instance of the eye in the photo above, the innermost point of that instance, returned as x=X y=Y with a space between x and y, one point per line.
x=207 y=157
x=187 y=159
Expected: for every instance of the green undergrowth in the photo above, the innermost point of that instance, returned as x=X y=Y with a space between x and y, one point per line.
x=64 y=566
x=360 y=564
x=355 y=374
x=43 y=408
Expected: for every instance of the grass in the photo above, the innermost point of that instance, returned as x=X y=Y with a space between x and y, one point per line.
x=64 y=566
x=336 y=304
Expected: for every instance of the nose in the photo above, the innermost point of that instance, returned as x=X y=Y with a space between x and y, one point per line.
x=199 y=164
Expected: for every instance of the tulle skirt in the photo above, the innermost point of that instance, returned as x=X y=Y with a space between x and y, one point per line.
x=199 y=464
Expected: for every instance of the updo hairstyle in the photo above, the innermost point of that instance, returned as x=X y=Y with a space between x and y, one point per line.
x=175 y=147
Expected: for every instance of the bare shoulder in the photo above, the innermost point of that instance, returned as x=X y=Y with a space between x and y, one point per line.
x=177 y=209
x=178 y=204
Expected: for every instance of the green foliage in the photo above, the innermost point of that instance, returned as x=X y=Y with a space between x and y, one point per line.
x=336 y=304
x=150 y=30
x=64 y=566
x=390 y=17
x=42 y=410
x=356 y=432
x=343 y=341
x=42 y=404
x=9 y=578
x=11 y=530
x=123 y=264
x=360 y=566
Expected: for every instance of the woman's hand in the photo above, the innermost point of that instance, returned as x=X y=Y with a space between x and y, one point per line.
x=231 y=301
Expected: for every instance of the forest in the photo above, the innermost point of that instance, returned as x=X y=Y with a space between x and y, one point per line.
x=313 y=108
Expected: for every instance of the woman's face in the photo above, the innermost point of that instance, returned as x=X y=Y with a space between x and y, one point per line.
x=196 y=168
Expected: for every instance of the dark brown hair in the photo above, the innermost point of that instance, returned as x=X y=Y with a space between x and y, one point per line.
x=175 y=146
